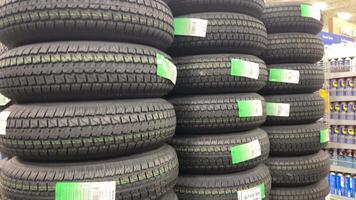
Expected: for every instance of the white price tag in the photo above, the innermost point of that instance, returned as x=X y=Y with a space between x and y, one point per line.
x=245 y=69
x=86 y=191
x=190 y=27
x=250 y=108
x=3 y=121
x=250 y=194
x=199 y=27
x=278 y=109
x=244 y=152
x=284 y=76
x=292 y=76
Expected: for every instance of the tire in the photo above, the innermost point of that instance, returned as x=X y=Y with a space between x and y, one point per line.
x=293 y=48
x=208 y=74
x=81 y=71
x=143 y=176
x=222 y=187
x=248 y=7
x=214 y=113
x=169 y=196
x=304 y=108
x=286 y=17
x=316 y=191
x=311 y=79
x=211 y=154
x=125 y=21
x=295 y=140
x=87 y=130
x=299 y=171
x=226 y=33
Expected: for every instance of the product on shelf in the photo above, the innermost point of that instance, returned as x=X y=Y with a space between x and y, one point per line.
x=343 y=110
x=343 y=157
x=342 y=64
x=342 y=87
x=342 y=134
x=342 y=184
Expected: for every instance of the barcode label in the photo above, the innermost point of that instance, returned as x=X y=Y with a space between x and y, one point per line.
x=3 y=121
x=86 y=191
x=250 y=194
x=190 y=27
x=278 y=109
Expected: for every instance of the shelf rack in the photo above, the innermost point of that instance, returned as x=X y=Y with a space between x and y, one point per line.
x=337 y=197
x=342 y=122
x=346 y=170
x=334 y=75
x=343 y=98
x=334 y=145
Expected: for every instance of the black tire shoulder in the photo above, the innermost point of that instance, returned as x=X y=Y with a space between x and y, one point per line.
x=211 y=73
x=143 y=176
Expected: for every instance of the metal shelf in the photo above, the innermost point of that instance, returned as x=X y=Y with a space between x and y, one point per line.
x=333 y=75
x=343 y=98
x=337 y=197
x=346 y=170
x=334 y=145
x=342 y=122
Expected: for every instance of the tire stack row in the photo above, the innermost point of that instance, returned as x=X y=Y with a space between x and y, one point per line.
x=297 y=163
x=88 y=121
x=219 y=145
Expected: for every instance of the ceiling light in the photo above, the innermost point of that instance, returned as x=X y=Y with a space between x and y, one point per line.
x=321 y=5
x=344 y=15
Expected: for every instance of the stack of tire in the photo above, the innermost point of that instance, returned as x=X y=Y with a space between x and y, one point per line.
x=218 y=142
x=88 y=121
x=297 y=163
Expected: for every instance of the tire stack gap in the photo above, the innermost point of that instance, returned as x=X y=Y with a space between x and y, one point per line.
x=297 y=163
x=218 y=142
x=87 y=122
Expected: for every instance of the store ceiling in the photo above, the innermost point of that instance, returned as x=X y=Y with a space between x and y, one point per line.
x=334 y=6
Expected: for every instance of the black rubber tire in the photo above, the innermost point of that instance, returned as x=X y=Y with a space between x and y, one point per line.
x=147 y=22
x=208 y=74
x=316 y=191
x=3 y=48
x=300 y=170
x=226 y=33
x=171 y=195
x=87 y=130
x=293 y=48
x=81 y=71
x=304 y=108
x=221 y=187
x=210 y=154
x=142 y=176
x=295 y=140
x=311 y=79
x=248 y=7
x=214 y=113
x=286 y=17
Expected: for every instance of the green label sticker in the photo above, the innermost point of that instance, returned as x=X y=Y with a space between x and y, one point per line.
x=244 y=152
x=324 y=136
x=278 y=109
x=250 y=108
x=3 y=121
x=245 y=69
x=310 y=11
x=190 y=27
x=166 y=69
x=85 y=191
x=255 y=193
x=284 y=76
